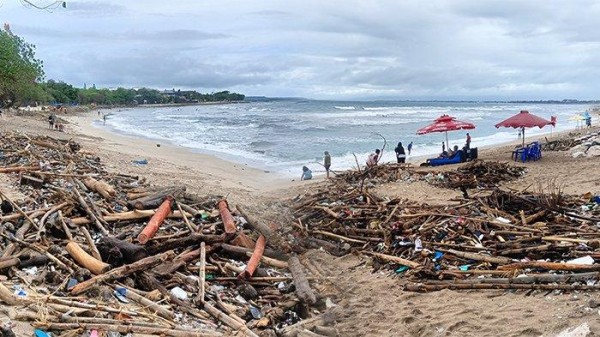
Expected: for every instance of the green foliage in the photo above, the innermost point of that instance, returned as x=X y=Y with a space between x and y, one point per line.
x=19 y=71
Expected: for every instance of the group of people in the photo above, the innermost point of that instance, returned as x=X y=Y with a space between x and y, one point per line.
x=451 y=152
x=373 y=158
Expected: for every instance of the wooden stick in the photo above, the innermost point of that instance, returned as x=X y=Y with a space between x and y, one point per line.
x=18 y=169
x=41 y=226
x=151 y=305
x=395 y=259
x=551 y=266
x=271 y=262
x=64 y=225
x=128 y=328
x=303 y=290
x=419 y=287
x=202 y=272
x=479 y=257
x=255 y=224
x=91 y=244
x=122 y=271
x=5 y=197
x=95 y=266
x=126 y=216
x=100 y=187
x=89 y=211
x=39 y=250
x=229 y=321
x=190 y=225
x=339 y=237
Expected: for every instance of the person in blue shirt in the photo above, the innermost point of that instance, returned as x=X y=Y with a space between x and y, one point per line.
x=306 y=173
x=409 y=148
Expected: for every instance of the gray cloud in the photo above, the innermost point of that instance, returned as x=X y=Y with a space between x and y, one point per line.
x=335 y=49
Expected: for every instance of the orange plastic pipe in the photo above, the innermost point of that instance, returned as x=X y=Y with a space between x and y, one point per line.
x=259 y=249
x=227 y=218
x=157 y=219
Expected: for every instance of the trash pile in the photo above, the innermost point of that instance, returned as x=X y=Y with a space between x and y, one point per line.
x=84 y=249
x=474 y=174
x=502 y=240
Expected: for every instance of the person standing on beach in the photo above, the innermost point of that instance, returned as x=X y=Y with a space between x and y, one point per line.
x=104 y=118
x=51 y=121
x=409 y=148
x=400 y=154
x=373 y=158
x=443 y=147
x=327 y=162
x=468 y=143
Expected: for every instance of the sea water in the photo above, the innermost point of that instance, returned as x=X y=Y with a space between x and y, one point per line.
x=283 y=135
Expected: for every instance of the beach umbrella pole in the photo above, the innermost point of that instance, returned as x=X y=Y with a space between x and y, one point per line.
x=523 y=138
x=447 y=144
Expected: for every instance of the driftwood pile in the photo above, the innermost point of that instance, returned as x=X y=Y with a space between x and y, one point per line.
x=85 y=249
x=474 y=174
x=503 y=240
x=566 y=144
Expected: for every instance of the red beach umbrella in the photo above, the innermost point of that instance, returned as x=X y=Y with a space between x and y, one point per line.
x=525 y=120
x=446 y=123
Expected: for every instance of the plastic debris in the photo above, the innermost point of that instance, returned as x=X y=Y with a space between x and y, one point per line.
x=179 y=293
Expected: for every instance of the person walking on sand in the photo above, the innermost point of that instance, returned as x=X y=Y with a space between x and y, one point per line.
x=409 y=147
x=400 y=154
x=306 y=173
x=104 y=118
x=327 y=162
x=373 y=158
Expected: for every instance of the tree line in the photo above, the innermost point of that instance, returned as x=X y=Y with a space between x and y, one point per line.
x=22 y=83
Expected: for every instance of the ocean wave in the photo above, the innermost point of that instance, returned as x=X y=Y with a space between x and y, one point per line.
x=345 y=107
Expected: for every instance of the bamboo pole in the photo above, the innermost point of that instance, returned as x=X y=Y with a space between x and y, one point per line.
x=202 y=272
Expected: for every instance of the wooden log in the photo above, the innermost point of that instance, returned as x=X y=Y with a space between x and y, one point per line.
x=260 y=227
x=420 y=287
x=9 y=262
x=8 y=297
x=100 y=187
x=255 y=258
x=394 y=259
x=171 y=267
x=192 y=239
x=127 y=251
x=303 y=290
x=202 y=272
x=128 y=328
x=122 y=271
x=150 y=305
x=90 y=242
x=190 y=225
x=271 y=262
x=89 y=212
x=243 y=240
x=15 y=206
x=126 y=216
x=551 y=266
x=479 y=257
x=157 y=219
x=229 y=321
x=227 y=219
x=155 y=199
x=42 y=222
x=86 y=260
x=31 y=181
x=242 y=251
x=529 y=279
x=18 y=169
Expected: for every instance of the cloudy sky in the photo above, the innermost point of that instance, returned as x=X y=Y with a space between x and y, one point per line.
x=459 y=49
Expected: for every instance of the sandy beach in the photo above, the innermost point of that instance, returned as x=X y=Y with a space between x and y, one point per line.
x=366 y=303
